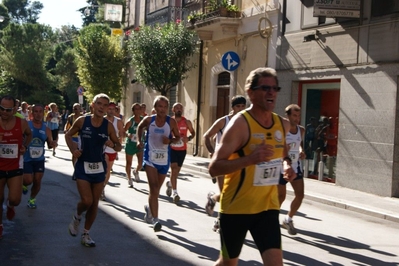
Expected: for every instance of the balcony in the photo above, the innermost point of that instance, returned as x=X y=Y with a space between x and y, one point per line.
x=216 y=25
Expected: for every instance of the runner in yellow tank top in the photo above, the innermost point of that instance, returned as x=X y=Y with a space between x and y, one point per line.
x=252 y=155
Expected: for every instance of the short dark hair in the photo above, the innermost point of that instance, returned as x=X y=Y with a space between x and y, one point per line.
x=9 y=98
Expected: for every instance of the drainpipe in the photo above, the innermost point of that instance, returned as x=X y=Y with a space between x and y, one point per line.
x=197 y=136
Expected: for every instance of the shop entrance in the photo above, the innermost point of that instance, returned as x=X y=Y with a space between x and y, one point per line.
x=320 y=116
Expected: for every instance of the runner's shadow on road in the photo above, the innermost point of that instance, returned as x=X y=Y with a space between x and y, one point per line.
x=189 y=205
x=301 y=214
x=333 y=246
x=204 y=252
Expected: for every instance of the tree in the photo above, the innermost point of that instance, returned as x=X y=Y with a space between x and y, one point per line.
x=101 y=61
x=23 y=11
x=161 y=55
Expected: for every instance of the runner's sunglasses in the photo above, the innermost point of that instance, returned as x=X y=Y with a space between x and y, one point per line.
x=6 y=109
x=267 y=88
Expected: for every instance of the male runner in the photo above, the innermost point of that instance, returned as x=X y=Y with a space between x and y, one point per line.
x=34 y=156
x=178 y=150
x=294 y=141
x=95 y=131
x=161 y=132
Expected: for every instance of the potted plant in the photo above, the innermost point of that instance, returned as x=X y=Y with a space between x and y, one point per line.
x=233 y=11
x=223 y=5
x=193 y=17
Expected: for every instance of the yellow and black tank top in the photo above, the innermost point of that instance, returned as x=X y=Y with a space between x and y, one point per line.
x=253 y=189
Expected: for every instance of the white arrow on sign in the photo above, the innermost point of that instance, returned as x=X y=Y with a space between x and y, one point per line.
x=230 y=61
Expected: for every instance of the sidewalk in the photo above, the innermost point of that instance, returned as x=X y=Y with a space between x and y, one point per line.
x=324 y=192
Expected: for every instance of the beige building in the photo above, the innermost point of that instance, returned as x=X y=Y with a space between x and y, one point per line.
x=207 y=92
x=337 y=59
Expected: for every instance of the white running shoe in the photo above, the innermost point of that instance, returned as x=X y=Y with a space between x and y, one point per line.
x=87 y=241
x=210 y=204
x=290 y=227
x=130 y=182
x=168 y=189
x=157 y=225
x=216 y=226
x=136 y=176
x=74 y=226
x=147 y=216
x=176 y=197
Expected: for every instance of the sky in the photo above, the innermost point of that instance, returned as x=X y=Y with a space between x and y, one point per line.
x=61 y=12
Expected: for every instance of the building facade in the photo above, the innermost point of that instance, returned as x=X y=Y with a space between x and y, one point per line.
x=342 y=69
x=346 y=69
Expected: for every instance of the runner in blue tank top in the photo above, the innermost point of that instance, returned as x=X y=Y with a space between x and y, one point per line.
x=157 y=153
x=34 y=155
x=90 y=167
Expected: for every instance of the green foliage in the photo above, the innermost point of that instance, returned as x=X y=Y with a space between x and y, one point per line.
x=161 y=55
x=24 y=11
x=194 y=15
x=100 y=61
x=25 y=51
x=232 y=8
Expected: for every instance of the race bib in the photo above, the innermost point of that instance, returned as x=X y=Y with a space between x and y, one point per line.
x=159 y=156
x=9 y=151
x=268 y=173
x=54 y=120
x=36 y=152
x=134 y=137
x=178 y=144
x=93 y=168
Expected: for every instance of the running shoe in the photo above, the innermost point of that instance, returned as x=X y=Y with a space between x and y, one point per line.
x=32 y=203
x=74 y=226
x=102 y=197
x=216 y=226
x=176 y=197
x=24 y=190
x=87 y=241
x=10 y=212
x=53 y=153
x=210 y=204
x=130 y=182
x=289 y=226
x=136 y=175
x=157 y=225
x=168 y=189
x=147 y=216
x=1 y=231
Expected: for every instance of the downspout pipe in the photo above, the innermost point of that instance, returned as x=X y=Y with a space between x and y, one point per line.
x=199 y=100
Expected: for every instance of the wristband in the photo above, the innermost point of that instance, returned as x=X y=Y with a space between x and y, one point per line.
x=190 y=138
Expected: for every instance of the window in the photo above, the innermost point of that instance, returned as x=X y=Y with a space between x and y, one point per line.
x=224 y=78
x=385 y=7
x=137 y=97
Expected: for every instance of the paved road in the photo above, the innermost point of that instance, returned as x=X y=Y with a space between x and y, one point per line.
x=327 y=235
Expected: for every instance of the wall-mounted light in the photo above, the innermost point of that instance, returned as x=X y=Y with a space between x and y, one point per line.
x=312 y=37
x=309 y=38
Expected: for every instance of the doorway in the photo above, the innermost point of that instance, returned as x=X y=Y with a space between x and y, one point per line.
x=320 y=116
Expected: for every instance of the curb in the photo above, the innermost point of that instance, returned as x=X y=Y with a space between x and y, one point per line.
x=203 y=172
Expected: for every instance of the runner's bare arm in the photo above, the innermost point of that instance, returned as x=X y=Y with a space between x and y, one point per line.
x=211 y=132
x=113 y=141
x=234 y=138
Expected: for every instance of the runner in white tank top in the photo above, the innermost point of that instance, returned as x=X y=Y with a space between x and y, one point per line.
x=294 y=140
